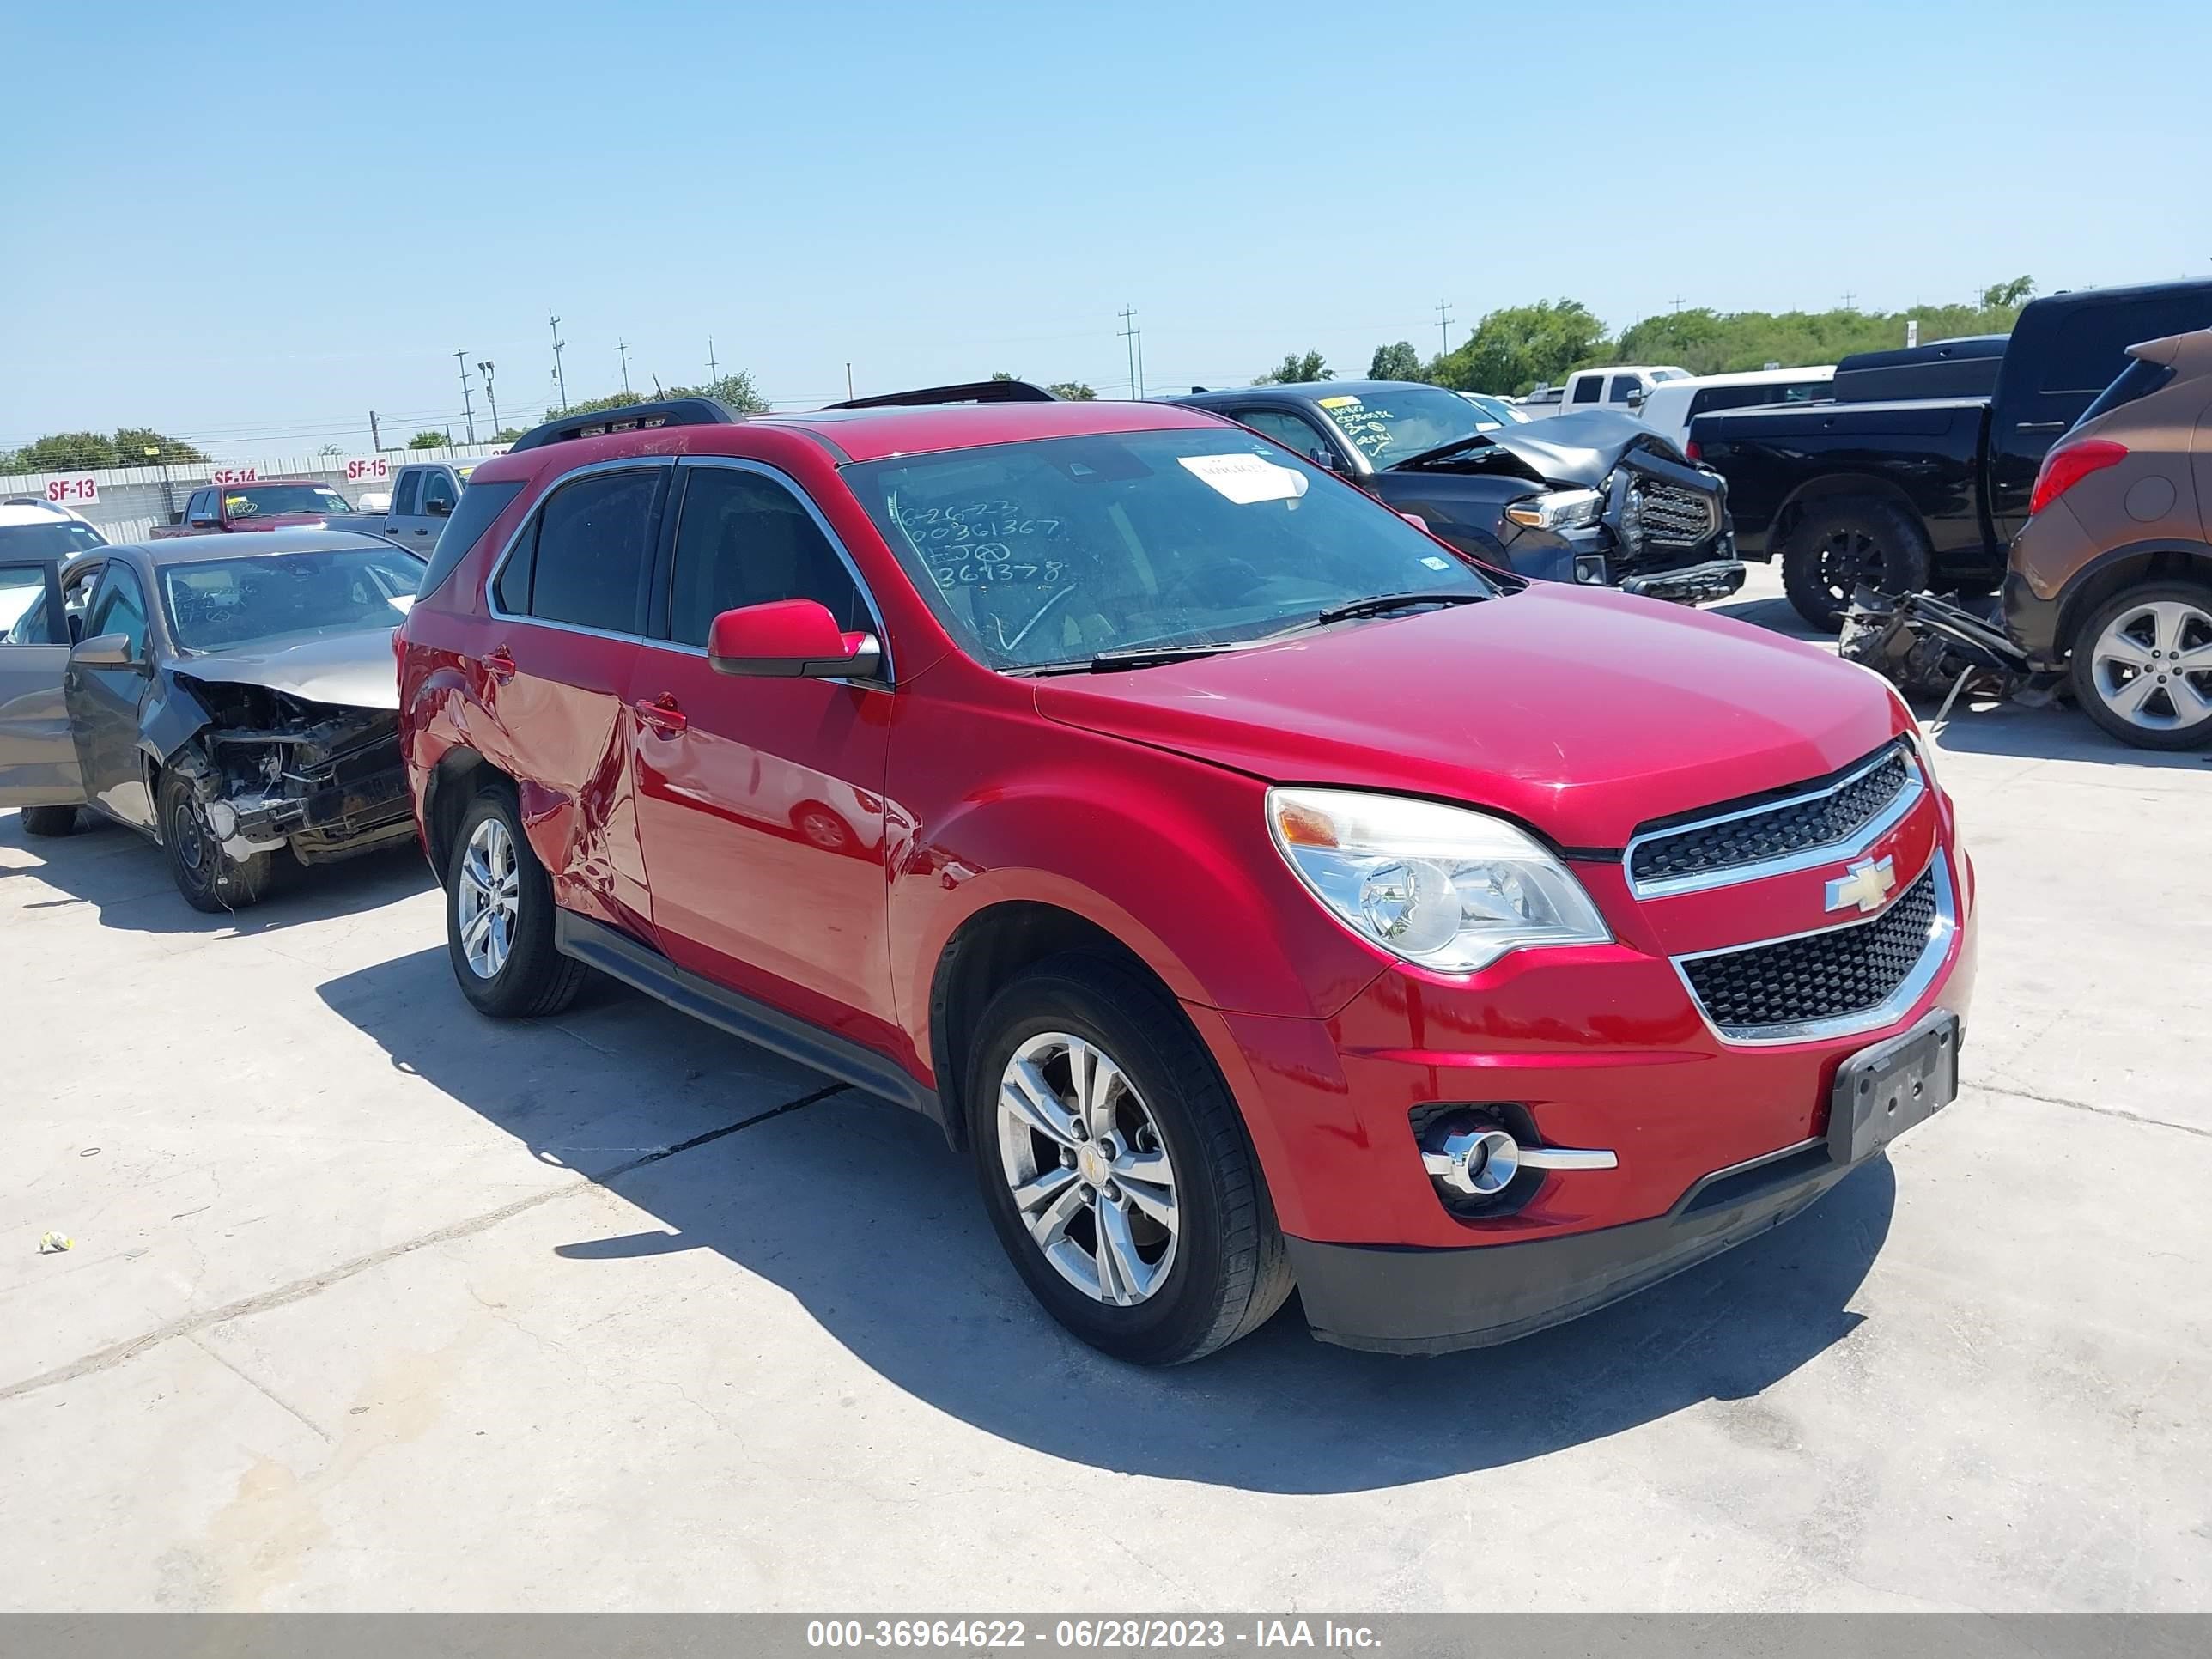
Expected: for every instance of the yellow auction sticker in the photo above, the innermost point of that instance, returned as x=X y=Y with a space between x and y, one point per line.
x=1346 y=402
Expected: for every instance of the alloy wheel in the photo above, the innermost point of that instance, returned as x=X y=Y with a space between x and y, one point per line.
x=488 y=896
x=1849 y=557
x=2152 y=665
x=1090 y=1174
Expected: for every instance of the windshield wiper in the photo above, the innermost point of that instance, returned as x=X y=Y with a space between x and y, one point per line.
x=1386 y=602
x=1128 y=657
x=1441 y=451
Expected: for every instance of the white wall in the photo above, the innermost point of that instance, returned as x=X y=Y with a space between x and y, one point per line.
x=134 y=500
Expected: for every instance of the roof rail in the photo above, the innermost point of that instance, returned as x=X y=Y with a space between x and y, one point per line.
x=973 y=391
x=632 y=417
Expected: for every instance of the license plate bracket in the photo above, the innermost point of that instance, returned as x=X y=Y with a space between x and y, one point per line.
x=1882 y=1091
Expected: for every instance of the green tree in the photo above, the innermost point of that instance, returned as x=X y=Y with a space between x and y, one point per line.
x=506 y=436
x=735 y=389
x=2012 y=295
x=1396 y=362
x=1074 y=391
x=427 y=439
x=66 y=451
x=1295 y=370
x=132 y=443
x=1519 y=347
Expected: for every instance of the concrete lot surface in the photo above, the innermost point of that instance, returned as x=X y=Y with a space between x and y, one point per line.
x=376 y=1306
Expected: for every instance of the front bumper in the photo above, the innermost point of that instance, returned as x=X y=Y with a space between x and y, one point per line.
x=1691 y=584
x=330 y=810
x=1397 y=1299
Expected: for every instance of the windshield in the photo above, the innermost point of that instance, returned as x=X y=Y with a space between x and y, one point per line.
x=1493 y=412
x=1060 y=549
x=265 y=500
x=218 y=604
x=1389 y=427
x=60 y=538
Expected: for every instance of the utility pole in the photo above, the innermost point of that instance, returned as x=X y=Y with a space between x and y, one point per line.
x=622 y=351
x=849 y=383
x=560 y=380
x=1128 y=315
x=468 y=411
x=1851 y=299
x=713 y=369
x=1678 y=303
x=375 y=438
x=491 y=397
x=1443 y=322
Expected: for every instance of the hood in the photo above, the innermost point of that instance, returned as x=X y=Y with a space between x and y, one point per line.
x=1580 y=447
x=1583 y=712
x=349 y=671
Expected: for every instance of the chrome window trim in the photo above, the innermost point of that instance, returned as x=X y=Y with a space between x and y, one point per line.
x=882 y=680
x=1888 y=1012
x=1828 y=852
x=629 y=463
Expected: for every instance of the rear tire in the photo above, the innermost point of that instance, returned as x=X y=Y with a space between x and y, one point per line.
x=208 y=878
x=1182 y=1254
x=1844 y=541
x=499 y=916
x=50 y=820
x=2122 y=670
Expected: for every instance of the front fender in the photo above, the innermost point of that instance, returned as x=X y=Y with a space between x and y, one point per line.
x=1167 y=855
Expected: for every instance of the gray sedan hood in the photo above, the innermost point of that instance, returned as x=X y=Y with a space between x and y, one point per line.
x=349 y=671
x=1581 y=447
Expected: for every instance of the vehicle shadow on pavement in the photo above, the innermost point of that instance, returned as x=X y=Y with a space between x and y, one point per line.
x=859 y=1211
x=1772 y=612
x=125 y=878
x=2062 y=733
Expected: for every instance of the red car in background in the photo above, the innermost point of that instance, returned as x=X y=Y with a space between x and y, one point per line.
x=267 y=504
x=1258 y=891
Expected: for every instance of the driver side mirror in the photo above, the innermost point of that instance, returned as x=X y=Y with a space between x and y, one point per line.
x=438 y=507
x=1636 y=398
x=790 y=639
x=1321 y=455
x=104 y=651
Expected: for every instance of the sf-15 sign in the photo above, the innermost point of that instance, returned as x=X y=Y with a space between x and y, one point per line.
x=376 y=469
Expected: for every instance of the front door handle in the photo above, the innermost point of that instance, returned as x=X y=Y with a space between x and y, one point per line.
x=499 y=664
x=663 y=715
x=2040 y=426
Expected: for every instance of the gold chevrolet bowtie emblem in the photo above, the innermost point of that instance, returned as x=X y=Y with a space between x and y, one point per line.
x=1865 y=885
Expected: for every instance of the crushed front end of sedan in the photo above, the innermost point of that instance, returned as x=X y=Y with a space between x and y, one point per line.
x=269 y=769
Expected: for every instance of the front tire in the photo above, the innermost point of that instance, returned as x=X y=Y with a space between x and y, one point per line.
x=1846 y=541
x=498 y=917
x=50 y=820
x=2141 y=665
x=208 y=878
x=1115 y=1169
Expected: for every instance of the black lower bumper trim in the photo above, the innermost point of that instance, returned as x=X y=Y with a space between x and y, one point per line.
x=1400 y=1299
x=1716 y=579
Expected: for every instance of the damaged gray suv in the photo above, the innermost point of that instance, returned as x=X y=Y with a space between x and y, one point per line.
x=231 y=698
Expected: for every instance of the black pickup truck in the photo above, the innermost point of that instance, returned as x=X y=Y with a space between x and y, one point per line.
x=1916 y=473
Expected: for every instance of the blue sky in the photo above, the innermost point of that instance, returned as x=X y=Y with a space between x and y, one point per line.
x=251 y=227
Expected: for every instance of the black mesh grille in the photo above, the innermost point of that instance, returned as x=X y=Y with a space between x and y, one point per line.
x=1816 y=822
x=1675 y=514
x=1826 y=975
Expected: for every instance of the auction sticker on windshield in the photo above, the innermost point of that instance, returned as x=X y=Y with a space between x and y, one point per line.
x=1245 y=479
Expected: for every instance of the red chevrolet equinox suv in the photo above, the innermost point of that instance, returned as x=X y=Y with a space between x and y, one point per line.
x=1258 y=892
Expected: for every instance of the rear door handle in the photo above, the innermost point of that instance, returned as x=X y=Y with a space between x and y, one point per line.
x=499 y=664
x=663 y=714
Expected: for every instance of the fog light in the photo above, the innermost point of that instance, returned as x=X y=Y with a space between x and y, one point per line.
x=1589 y=568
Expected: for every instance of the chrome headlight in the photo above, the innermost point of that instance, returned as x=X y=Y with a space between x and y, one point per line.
x=1558 y=509
x=1446 y=887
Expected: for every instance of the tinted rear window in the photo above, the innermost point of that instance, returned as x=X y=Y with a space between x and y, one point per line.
x=2090 y=347
x=2138 y=380
x=594 y=537
x=480 y=505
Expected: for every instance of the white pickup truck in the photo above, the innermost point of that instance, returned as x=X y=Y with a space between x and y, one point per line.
x=1622 y=386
